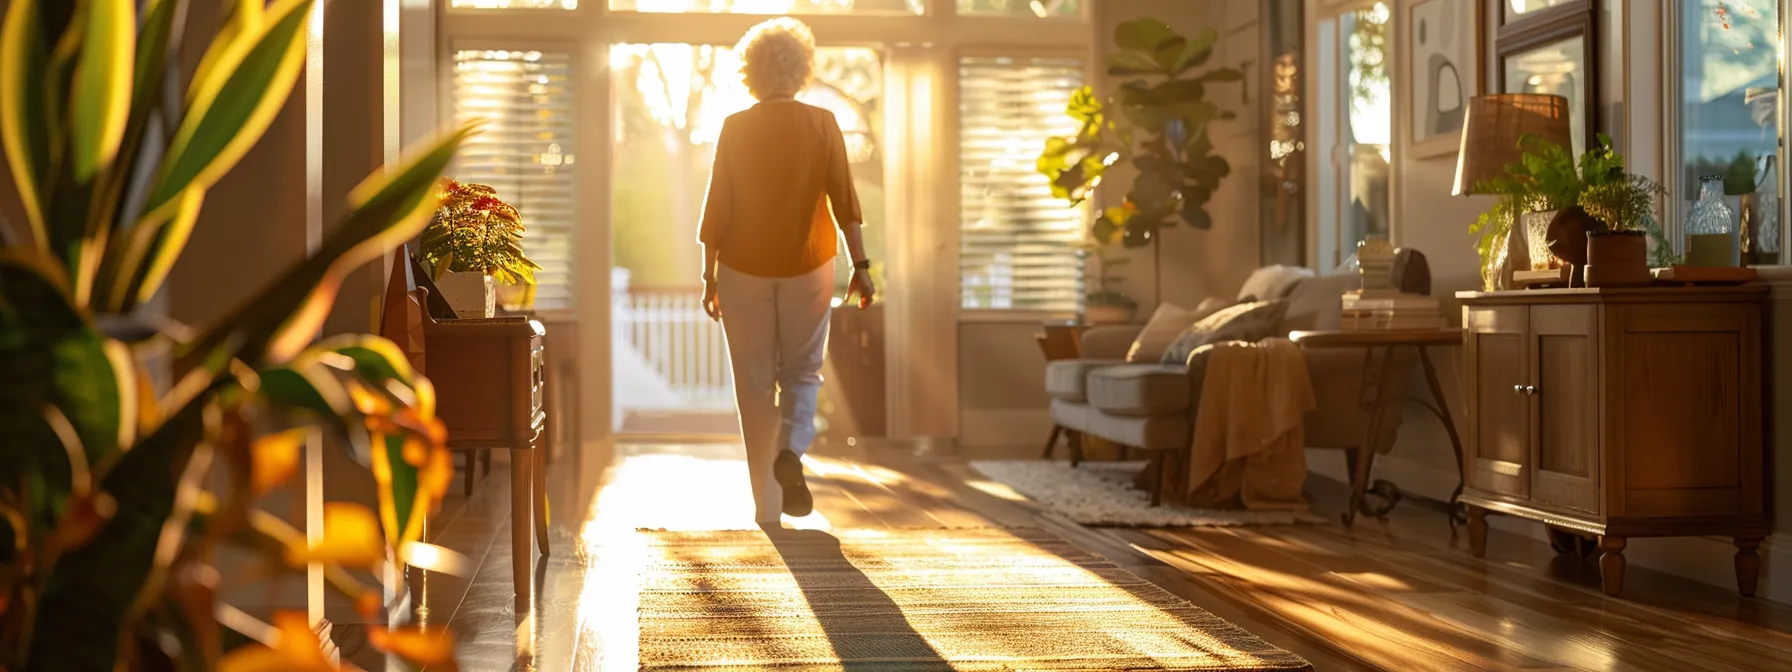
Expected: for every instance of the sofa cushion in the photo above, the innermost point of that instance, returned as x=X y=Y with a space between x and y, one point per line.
x=1139 y=389
x=1071 y=415
x=1243 y=322
x=1272 y=282
x=1317 y=304
x=1167 y=323
x=1065 y=378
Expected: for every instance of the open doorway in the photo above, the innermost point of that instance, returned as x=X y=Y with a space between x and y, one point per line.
x=670 y=99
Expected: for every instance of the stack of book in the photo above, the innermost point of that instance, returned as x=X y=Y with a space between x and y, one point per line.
x=1389 y=309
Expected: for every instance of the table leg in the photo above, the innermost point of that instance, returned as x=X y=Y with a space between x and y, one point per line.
x=541 y=498
x=1457 y=515
x=521 y=528
x=1374 y=400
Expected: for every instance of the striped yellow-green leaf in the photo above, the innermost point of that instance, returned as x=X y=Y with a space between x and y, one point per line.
x=233 y=102
x=24 y=130
x=244 y=18
x=102 y=91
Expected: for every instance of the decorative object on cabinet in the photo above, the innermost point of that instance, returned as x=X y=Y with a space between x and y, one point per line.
x=1490 y=142
x=473 y=241
x=1711 y=231
x=1762 y=232
x=1444 y=42
x=1157 y=122
x=1618 y=413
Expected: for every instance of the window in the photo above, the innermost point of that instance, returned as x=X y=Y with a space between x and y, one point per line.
x=525 y=152
x=768 y=6
x=1547 y=46
x=1017 y=244
x=1728 y=108
x=1359 y=132
x=1044 y=9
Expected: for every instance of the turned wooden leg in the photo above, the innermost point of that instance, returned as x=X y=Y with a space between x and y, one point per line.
x=1052 y=441
x=466 y=488
x=1611 y=565
x=521 y=528
x=541 y=498
x=485 y=463
x=1748 y=565
x=1075 y=439
x=1477 y=531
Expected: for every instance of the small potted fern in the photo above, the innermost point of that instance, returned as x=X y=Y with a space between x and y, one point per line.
x=473 y=241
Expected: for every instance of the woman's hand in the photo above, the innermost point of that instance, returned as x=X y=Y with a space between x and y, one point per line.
x=711 y=303
x=861 y=286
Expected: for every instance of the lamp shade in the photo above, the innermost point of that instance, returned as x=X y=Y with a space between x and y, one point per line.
x=1493 y=126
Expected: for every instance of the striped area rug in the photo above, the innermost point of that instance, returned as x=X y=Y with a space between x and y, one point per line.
x=966 y=599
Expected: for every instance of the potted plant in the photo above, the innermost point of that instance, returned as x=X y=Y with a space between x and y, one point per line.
x=1158 y=122
x=1554 y=198
x=121 y=493
x=472 y=241
x=1108 y=305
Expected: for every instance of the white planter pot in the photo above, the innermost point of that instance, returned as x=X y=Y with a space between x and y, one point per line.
x=471 y=295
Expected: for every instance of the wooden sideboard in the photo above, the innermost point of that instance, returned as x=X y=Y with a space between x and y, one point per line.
x=1618 y=413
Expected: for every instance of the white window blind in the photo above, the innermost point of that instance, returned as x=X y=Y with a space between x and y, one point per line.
x=1017 y=244
x=525 y=152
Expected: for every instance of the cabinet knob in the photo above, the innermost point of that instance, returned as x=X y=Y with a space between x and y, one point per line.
x=1530 y=390
x=1518 y=388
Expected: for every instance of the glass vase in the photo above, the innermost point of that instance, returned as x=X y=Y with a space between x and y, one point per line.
x=1711 y=236
x=1767 y=212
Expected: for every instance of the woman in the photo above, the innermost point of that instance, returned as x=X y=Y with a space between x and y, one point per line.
x=768 y=248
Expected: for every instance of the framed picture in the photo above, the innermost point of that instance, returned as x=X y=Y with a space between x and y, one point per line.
x=1444 y=48
x=1549 y=47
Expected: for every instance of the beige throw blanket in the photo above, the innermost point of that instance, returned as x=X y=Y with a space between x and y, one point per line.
x=1249 y=446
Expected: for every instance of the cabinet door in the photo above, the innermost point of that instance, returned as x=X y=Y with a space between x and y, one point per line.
x=1499 y=443
x=1565 y=406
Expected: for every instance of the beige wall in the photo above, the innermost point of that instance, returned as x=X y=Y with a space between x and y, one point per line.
x=1001 y=371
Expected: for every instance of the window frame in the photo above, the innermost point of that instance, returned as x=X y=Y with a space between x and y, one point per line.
x=1325 y=250
x=1673 y=140
x=955 y=198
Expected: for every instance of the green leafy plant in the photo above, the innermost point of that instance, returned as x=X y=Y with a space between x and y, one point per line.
x=1158 y=122
x=475 y=232
x=117 y=494
x=1549 y=178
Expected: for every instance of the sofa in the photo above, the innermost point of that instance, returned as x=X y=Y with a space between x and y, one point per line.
x=1152 y=406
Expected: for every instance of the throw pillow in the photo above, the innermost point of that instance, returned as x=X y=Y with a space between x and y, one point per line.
x=1272 y=282
x=1250 y=322
x=1167 y=323
x=1318 y=303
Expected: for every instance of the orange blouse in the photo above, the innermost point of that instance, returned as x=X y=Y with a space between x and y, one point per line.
x=778 y=167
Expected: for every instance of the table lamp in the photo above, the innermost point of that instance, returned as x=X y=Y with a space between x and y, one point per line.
x=1491 y=132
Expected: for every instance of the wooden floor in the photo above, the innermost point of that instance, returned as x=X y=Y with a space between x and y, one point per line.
x=1399 y=594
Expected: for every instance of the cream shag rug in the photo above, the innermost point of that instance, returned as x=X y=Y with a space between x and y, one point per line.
x=1102 y=493
x=881 y=600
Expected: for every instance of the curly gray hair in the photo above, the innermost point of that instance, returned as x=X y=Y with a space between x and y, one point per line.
x=777 y=57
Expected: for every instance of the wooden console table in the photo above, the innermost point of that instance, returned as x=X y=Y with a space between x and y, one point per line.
x=490 y=386
x=1618 y=413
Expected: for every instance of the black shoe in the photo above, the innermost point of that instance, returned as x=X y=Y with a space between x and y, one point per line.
x=788 y=469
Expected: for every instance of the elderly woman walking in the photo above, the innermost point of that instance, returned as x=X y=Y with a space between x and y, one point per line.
x=768 y=251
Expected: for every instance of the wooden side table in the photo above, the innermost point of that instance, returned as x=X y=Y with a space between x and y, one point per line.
x=1379 y=347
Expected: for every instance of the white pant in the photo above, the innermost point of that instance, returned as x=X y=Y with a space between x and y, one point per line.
x=777 y=333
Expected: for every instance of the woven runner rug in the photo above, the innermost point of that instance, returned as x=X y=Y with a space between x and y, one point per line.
x=1102 y=494
x=964 y=599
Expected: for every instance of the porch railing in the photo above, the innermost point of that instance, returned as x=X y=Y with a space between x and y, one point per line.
x=668 y=329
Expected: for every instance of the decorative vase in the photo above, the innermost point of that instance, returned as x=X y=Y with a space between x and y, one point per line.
x=1711 y=238
x=1109 y=313
x=471 y=295
x=1767 y=215
x=1536 y=238
x=1617 y=259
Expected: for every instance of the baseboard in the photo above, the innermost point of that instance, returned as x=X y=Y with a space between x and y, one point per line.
x=1704 y=559
x=1003 y=427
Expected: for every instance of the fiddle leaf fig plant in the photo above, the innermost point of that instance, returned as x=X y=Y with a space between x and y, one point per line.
x=118 y=493
x=1159 y=122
